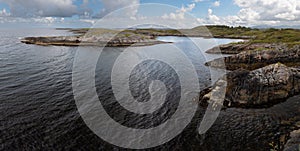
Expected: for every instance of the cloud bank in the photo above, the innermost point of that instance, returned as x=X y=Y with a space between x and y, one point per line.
x=260 y=13
x=130 y=7
x=251 y=13
x=41 y=8
x=180 y=14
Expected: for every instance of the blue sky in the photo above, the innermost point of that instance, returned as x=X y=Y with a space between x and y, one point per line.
x=85 y=13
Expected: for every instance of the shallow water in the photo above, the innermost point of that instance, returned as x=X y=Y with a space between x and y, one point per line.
x=38 y=110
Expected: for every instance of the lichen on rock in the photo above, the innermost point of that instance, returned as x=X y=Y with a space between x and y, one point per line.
x=265 y=86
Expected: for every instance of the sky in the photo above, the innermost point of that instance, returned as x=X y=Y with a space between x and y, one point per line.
x=128 y=13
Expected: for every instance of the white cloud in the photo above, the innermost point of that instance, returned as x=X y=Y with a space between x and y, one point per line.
x=189 y=8
x=90 y=21
x=200 y=20
x=47 y=20
x=129 y=7
x=273 y=11
x=216 y=3
x=39 y=20
x=43 y=8
x=260 y=13
x=180 y=14
x=251 y=13
x=4 y=13
x=212 y=18
x=197 y=1
x=85 y=11
x=67 y=8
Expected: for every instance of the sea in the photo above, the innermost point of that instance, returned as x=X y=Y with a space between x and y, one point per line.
x=39 y=109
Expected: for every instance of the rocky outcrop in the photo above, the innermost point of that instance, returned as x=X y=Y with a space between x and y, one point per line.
x=94 y=40
x=293 y=144
x=258 y=88
x=235 y=48
x=255 y=59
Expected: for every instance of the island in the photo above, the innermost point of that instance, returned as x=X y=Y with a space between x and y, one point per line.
x=95 y=37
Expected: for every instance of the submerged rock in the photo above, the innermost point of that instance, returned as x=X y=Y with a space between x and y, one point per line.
x=258 y=88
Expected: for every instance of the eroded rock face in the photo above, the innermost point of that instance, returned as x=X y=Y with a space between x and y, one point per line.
x=255 y=59
x=293 y=143
x=238 y=48
x=264 y=86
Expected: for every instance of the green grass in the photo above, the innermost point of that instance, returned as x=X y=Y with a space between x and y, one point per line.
x=271 y=35
x=228 y=31
x=278 y=36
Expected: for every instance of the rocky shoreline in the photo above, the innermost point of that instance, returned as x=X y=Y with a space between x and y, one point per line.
x=258 y=57
x=260 y=75
x=235 y=48
x=259 y=88
x=124 y=38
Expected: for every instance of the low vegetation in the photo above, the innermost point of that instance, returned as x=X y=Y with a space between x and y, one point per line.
x=270 y=35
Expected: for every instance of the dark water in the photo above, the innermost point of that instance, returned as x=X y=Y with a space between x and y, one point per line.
x=38 y=110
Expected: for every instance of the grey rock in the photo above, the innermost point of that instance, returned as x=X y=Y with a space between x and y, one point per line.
x=293 y=144
x=255 y=59
x=262 y=87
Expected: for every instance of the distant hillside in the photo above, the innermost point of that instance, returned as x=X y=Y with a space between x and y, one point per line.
x=269 y=35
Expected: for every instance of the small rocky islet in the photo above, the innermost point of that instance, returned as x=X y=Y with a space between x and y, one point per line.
x=105 y=39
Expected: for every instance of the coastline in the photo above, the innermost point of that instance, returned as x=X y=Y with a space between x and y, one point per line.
x=236 y=77
x=96 y=37
x=116 y=38
x=262 y=73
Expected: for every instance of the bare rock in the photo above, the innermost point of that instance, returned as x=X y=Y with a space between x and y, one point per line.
x=293 y=144
x=255 y=59
x=258 y=88
x=235 y=48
